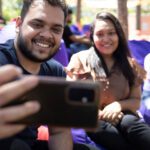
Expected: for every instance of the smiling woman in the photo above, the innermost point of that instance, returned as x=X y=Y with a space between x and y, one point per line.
x=109 y=62
x=105 y=37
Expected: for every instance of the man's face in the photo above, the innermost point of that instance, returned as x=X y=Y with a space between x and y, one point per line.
x=40 y=32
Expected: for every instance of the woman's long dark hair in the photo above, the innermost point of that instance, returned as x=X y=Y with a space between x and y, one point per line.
x=122 y=52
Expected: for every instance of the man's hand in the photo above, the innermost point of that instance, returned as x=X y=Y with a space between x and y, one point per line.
x=10 y=89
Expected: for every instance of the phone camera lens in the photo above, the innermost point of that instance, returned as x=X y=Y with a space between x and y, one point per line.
x=84 y=99
x=81 y=94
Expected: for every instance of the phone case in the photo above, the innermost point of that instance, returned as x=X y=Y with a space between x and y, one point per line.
x=64 y=103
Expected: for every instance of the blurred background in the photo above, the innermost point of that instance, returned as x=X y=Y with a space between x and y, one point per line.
x=133 y=14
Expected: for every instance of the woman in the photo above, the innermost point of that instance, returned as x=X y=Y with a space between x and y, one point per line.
x=108 y=61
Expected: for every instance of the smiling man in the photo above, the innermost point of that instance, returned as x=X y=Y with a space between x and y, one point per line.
x=38 y=34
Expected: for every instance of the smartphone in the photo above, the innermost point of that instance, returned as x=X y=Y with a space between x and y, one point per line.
x=63 y=103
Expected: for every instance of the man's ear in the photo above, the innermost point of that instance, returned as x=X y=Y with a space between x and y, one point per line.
x=18 y=24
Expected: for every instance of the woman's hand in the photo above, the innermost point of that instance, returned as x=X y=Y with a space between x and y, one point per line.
x=74 y=74
x=111 y=113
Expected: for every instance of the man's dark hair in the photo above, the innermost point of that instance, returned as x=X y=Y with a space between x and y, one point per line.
x=55 y=3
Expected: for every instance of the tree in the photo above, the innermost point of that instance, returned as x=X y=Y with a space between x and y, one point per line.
x=1 y=8
x=138 y=15
x=11 y=8
x=123 y=15
x=78 y=11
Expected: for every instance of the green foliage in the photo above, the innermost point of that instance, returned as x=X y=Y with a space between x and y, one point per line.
x=11 y=8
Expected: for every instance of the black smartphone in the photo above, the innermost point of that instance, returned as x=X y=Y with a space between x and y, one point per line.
x=63 y=103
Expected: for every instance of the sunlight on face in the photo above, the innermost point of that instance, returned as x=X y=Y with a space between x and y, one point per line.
x=40 y=32
x=105 y=37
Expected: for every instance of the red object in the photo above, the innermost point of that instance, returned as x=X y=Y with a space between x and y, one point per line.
x=43 y=133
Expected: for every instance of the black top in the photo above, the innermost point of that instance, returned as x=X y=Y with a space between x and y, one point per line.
x=49 y=68
x=66 y=36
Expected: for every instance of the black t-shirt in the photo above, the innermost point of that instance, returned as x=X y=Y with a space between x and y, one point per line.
x=49 y=68
x=66 y=36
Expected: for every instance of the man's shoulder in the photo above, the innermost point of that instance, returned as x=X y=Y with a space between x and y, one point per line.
x=54 y=67
x=7 y=52
x=53 y=63
x=7 y=45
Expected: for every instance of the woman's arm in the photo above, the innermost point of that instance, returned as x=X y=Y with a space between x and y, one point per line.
x=133 y=102
x=113 y=112
x=61 y=139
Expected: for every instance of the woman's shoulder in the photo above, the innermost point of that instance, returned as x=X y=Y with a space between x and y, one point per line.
x=79 y=60
x=82 y=55
x=134 y=64
x=138 y=70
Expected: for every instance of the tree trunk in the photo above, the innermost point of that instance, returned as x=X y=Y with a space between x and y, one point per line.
x=1 y=14
x=138 y=15
x=78 y=11
x=123 y=15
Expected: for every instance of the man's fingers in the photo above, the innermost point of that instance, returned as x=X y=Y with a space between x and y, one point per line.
x=9 y=73
x=14 y=89
x=9 y=130
x=14 y=113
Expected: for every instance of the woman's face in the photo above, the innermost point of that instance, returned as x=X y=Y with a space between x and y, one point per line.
x=105 y=37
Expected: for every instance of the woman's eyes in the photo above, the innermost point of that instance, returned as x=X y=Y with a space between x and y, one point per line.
x=108 y=33
x=112 y=33
x=99 y=34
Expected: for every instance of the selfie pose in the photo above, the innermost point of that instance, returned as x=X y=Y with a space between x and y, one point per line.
x=109 y=62
x=39 y=31
x=9 y=92
x=38 y=36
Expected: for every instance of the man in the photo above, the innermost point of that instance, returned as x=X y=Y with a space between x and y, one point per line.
x=38 y=34
x=74 y=42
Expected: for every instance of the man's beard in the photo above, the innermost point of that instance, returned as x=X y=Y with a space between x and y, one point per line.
x=22 y=46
